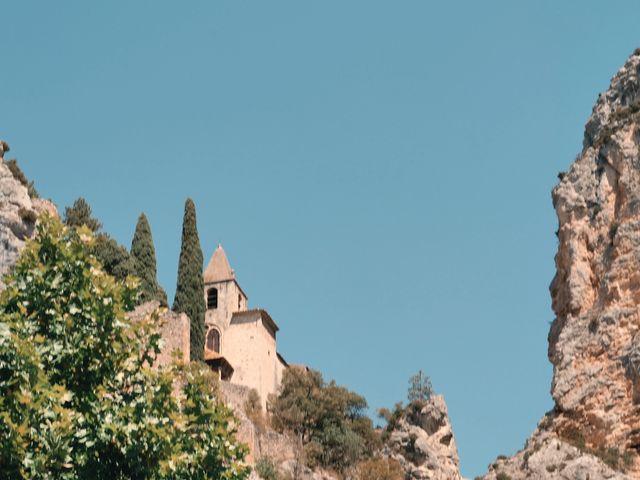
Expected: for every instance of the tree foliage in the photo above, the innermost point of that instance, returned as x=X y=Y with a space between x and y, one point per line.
x=420 y=388
x=328 y=419
x=78 y=398
x=114 y=257
x=143 y=257
x=80 y=214
x=189 y=296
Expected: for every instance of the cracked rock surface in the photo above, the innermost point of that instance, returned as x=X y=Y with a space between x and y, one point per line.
x=594 y=342
x=18 y=213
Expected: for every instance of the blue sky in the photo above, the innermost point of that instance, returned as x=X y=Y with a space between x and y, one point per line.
x=379 y=173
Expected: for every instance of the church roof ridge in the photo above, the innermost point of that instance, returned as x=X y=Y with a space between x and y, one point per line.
x=218 y=268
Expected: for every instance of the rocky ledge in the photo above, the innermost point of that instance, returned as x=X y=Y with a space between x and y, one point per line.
x=422 y=442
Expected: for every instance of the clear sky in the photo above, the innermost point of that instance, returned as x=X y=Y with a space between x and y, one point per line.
x=379 y=173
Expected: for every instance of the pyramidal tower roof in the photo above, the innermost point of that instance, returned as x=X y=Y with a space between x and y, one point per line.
x=218 y=269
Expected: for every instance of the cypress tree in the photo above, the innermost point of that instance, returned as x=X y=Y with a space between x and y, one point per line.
x=189 y=297
x=143 y=256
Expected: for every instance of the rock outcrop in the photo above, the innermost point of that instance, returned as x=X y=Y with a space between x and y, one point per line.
x=422 y=442
x=594 y=342
x=18 y=214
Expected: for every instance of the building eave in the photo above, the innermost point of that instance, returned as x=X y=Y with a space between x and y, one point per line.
x=258 y=311
x=281 y=358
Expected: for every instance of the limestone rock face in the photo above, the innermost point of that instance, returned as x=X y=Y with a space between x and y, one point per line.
x=423 y=443
x=594 y=341
x=548 y=457
x=18 y=213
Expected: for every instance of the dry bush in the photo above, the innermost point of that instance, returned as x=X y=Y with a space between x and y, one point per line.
x=253 y=409
x=379 y=468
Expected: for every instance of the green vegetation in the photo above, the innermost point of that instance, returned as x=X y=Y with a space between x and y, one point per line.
x=420 y=391
x=420 y=388
x=575 y=437
x=114 y=258
x=612 y=457
x=19 y=175
x=78 y=398
x=391 y=418
x=143 y=256
x=189 y=297
x=266 y=469
x=502 y=476
x=609 y=455
x=329 y=420
x=253 y=410
x=80 y=214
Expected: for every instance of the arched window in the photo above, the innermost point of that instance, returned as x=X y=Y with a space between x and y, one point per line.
x=212 y=298
x=213 y=340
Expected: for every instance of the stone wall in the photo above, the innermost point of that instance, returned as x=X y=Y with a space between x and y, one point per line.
x=251 y=350
x=262 y=441
x=175 y=332
x=230 y=300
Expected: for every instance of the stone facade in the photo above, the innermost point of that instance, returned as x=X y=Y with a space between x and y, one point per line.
x=245 y=338
x=175 y=332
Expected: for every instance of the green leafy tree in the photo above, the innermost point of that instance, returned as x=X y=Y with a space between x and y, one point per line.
x=328 y=419
x=143 y=257
x=78 y=396
x=189 y=297
x=114 y=257
x=420 y=389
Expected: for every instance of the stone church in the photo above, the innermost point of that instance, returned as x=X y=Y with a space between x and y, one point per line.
x=240 y=343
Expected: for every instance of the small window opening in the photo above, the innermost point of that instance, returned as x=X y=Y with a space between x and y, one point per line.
x=213 y=340
x=239 y=301
x=212 y=298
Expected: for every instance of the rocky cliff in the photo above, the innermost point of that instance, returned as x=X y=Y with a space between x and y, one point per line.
x=420 y=439
x=594 y=341
x=422 y=442
x=18 y=214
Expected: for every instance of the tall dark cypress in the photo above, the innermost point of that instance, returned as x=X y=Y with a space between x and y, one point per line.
x=143 y=255
x=189 y=297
